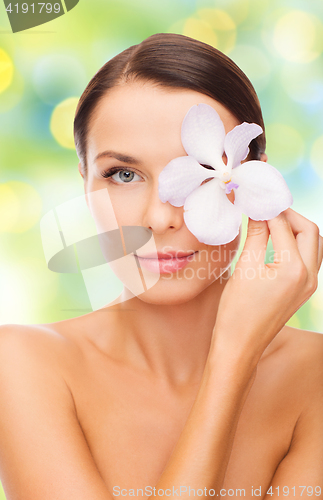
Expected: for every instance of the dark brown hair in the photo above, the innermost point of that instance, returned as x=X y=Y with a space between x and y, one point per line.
x=173 y=61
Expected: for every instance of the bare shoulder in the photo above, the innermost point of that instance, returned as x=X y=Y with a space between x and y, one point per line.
x=304 y=345
x=30 y=334
x=296 y=344
x=296 y=357
x=62 y=346
x=35 y=355
x=30 y=351
x=43 y=344
x=39 y=356
x=306 y=348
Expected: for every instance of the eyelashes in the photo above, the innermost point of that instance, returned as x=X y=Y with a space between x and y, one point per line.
x=110 y=171
x=122 y=178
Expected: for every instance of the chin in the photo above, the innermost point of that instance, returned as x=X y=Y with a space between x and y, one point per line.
x=178 y=290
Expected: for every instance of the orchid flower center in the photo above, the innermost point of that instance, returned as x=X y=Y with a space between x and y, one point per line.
x=226 y=182
x=226 y=177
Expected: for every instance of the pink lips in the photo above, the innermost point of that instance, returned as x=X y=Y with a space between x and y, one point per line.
x=169 y=262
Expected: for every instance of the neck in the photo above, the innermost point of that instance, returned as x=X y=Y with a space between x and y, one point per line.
x=170 y=341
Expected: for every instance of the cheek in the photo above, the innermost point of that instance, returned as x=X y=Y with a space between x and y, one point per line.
x=127 y=206
x=215 y=260
x=102 y=210
x=112 y=207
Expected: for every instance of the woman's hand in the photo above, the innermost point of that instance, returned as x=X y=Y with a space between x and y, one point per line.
x=259 y=298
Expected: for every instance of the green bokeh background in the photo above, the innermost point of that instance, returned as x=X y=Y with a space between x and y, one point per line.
x=278 y=43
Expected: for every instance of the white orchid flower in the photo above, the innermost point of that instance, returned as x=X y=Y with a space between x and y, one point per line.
x=260 y=190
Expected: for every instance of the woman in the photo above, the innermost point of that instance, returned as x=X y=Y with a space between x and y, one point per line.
x=195 y=387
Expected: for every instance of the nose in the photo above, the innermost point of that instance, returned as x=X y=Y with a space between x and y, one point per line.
x=161 y=217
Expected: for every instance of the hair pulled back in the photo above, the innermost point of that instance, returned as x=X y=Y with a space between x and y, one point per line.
x=173 y=61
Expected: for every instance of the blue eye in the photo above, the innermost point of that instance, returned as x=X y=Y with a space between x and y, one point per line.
x=120 y=176
x=125 y=175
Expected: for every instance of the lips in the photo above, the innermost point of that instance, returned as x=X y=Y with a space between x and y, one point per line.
x=166 y=263
x=168 y=255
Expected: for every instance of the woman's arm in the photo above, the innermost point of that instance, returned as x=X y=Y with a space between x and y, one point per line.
x=255 y=305
x=201 y=455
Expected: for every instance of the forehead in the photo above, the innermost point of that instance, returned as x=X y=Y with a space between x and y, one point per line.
x=146 y=118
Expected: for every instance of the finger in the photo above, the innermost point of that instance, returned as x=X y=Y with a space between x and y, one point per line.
x=307 y=239
x=254 y=250
x=283 y=239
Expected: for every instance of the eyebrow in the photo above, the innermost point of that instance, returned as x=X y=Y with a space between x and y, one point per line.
x=118 y=156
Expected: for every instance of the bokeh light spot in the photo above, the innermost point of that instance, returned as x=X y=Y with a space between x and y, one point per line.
x=218 y=19
x=9 y=208
x=200 y=30
x=26 y=286
x=254 y=63
x=6 y=70
x=13 y=94
x=316 y=156
x=238 y=10
x=20 y=207
x=57 y=77
x=298 y=36
x=285 y=146
x=223 y=25
x=61 y=123
x=304 y=86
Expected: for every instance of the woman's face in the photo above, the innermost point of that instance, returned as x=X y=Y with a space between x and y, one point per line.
x=136 y=129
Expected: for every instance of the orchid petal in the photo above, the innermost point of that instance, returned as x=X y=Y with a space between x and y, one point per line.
x=210 y=216
x=237 y=141
x=179 y=178
x=262 y=193
x=203 y=135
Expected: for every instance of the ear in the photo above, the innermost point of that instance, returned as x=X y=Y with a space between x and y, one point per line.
x=263 y=157
x=80 y=169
